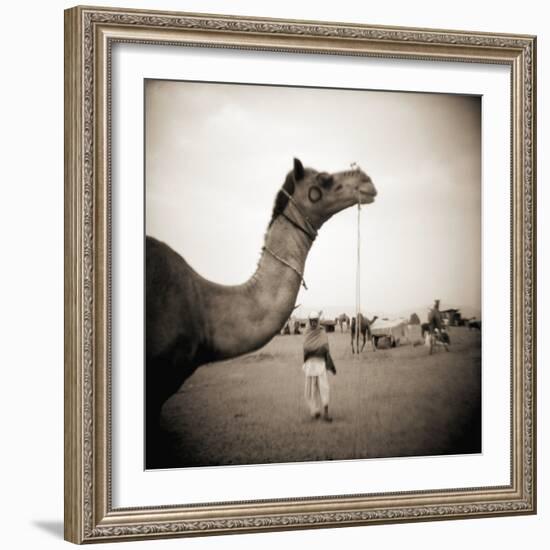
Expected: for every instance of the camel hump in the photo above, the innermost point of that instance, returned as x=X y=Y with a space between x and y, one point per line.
x=173 y=301
x=163 y=265
x=156 y=250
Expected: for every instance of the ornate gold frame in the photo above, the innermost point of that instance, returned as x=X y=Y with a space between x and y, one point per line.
x=89 y=35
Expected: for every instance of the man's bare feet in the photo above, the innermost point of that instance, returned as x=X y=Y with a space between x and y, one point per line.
x=326 y=416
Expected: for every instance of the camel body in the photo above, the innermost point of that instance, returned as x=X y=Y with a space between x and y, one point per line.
x=190 y=321
x=344 y=321
x=362 y=329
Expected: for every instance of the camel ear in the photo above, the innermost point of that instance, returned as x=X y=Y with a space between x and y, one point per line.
x=298 y=170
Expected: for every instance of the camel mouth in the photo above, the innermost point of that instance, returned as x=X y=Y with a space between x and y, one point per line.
x=366 y=196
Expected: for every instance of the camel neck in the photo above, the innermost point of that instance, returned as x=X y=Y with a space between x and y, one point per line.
x=259 y=308
x=288 y=244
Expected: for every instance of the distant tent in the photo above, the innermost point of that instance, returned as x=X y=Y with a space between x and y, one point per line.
x=392 y=329
x=414 y=320
x=414 y=334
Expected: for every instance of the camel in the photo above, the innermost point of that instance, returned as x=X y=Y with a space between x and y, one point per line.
x=342 y=320
x=438 y=338
x=190 y=320
x=364 y=331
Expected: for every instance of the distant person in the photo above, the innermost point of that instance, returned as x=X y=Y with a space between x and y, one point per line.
x=317 y=361
x=435 y=318
x=437 y=328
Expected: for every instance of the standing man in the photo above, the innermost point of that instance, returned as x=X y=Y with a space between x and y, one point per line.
x=317 y=361
x=437 y=328
x=435 y=318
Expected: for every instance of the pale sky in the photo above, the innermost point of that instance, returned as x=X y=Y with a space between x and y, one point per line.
x=216 y=154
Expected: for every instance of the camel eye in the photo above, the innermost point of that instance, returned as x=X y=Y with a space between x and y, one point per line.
x=315 y=194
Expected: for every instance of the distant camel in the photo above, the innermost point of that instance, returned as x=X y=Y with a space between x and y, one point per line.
x=190 y=320
x=425 y=329
x=342 y=320
x=364 y=331
x=438 y=338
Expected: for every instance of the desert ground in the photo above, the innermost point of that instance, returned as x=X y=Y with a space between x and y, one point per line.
x=386 y=403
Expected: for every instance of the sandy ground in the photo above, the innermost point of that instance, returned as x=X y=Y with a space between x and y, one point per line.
x=388 y=403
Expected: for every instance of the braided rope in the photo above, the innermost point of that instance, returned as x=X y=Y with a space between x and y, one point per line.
x=288 y=264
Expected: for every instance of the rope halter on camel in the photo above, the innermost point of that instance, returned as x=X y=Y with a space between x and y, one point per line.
x=288 y=264
x=308 y=228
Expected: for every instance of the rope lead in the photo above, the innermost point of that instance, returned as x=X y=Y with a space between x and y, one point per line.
x=355 y=166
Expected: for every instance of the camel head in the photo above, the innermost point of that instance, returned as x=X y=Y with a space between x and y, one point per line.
x=320 y=195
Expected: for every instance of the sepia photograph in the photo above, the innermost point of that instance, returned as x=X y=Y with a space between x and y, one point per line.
x=313 y=274
x=300 y=272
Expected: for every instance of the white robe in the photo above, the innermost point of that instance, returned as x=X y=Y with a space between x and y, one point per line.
x=316 y=389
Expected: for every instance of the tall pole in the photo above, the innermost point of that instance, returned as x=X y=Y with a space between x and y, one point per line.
x=358 y=276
